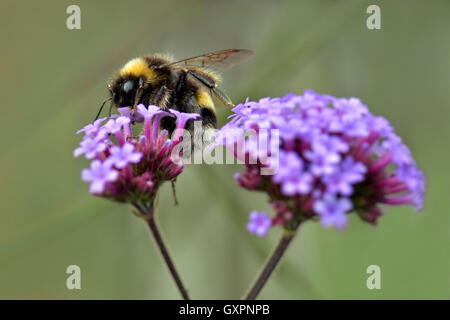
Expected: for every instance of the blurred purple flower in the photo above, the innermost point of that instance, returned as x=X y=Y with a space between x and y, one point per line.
x=334 y=157
x=291 y=176
x=344 y=177
x=322 y=162
x=259 y=223
x=332 y=210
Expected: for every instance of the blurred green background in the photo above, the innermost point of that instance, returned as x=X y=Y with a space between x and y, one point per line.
x=53 y=80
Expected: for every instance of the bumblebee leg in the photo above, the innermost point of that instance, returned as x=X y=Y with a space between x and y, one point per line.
x=161 y=97
x=138 y=97
x=111 y=106
x=139 y=93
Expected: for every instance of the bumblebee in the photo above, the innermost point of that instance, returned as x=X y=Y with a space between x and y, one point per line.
x=187 y=85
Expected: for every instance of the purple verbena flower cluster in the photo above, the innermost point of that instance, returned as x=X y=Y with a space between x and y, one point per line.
x=128 y=168
x=334 y=157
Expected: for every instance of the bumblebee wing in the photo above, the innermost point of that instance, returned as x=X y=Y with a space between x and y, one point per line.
x=211 y=84
x=219 y=94
x=217 y=61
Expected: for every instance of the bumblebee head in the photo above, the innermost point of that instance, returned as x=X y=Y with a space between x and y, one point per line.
x=123 y=90
x=128 y=84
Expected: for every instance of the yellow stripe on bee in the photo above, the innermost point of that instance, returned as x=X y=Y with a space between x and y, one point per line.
x=138 y=68
x=204 y=99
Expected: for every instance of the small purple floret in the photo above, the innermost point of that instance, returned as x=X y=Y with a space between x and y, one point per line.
x=332 y=211
x=121 y=156
x=259 y=223
x=90 y=147
x=98 y=175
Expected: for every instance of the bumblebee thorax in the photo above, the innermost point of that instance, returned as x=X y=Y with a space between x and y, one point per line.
x=138 y=68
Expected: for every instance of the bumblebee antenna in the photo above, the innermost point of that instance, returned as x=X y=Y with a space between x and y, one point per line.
x=111 y=106
x=101 y=108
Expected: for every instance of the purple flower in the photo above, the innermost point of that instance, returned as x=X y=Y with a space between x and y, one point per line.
x=121 y=156
x=127 y=112
x=182 y=117
x=414 y=179
x=149 y=112
x=98 y=175
x=332 y=211
x=322 y=162
x=153 y=156
x=92 y=128
x=301 y=184
x=350 y=109
x=115 y=126
x=309 y=99
x=329 y=144
x=291 y=176
x=344 y=177
x=152 y=113
x=259 y=223
x=90 y=147
x=333 y=155
x=325 y=153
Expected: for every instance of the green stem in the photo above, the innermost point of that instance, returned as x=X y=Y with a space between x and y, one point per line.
x=271 y=264
x=149 y=214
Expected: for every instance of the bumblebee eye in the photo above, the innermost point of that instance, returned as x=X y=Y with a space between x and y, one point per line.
x=128 y=86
